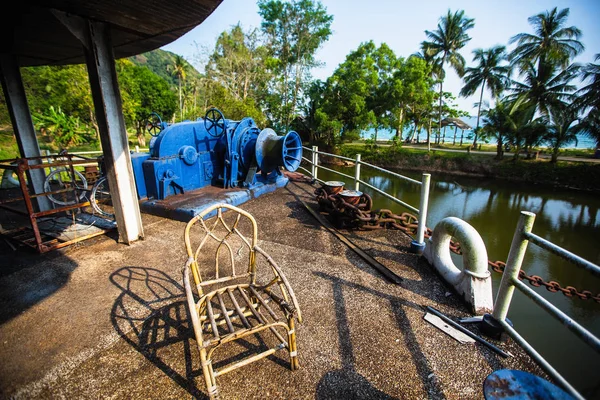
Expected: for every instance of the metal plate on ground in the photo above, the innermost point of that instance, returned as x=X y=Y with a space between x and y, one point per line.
x=66 y=229
x=447 y=329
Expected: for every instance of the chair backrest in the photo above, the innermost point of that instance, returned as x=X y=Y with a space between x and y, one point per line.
x=223 y=236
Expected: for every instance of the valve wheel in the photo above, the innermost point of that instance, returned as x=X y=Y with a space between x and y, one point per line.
x=214 y=122
x=154 y=124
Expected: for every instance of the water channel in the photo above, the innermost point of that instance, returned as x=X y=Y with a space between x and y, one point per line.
x=570 y=219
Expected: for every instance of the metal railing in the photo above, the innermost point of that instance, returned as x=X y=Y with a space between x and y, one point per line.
x=510 y=281
x=424 y=183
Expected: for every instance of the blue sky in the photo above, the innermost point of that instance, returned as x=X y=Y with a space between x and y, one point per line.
x=401 y=24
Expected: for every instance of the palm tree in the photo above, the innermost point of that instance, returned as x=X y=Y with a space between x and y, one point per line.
x=589 y=100
x=562 y=128
x=497 y=123
x=179 y=69
x=552 y=44
x=488 y=72
x=444 y=43
x=541 y=91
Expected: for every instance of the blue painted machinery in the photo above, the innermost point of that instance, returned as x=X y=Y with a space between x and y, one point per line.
x=212 y=151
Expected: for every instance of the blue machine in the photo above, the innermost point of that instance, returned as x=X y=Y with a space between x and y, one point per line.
x=212 y=151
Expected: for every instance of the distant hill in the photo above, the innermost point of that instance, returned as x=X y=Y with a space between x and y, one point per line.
x=158 y=60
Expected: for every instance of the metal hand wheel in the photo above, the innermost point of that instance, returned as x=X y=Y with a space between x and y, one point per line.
x=154 y=124
x=214 y=122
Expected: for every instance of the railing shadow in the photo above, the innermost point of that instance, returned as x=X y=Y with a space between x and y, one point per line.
x=151 y=315
x=347 y=382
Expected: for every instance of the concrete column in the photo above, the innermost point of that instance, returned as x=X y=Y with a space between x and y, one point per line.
x=16 y=101
x=100 y=61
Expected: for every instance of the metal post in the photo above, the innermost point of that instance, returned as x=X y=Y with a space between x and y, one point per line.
x=513 y=266
x=418 y=245
x=357 y=173
x=315 y=162
x=312 y=161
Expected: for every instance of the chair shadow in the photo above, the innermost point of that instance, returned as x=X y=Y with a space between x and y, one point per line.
x=347 y=382
x=151 y=315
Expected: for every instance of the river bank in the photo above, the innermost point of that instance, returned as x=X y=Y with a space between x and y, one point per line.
x=570 y=175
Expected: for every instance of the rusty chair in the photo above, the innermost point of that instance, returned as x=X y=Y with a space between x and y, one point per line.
x=229 y=304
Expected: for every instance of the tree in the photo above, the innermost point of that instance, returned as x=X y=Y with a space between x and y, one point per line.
x=144 y=92
x=237 y=63
x=295 y=31
x=552 y=44
x=589 y=100
x=411 y=89
x=497 y=123
x=488 y=72
x=562 y=128
x=359 y=94
x=444 y=44
x=541 y=91
x=179 y=69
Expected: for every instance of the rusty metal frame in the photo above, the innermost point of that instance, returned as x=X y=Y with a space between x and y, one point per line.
x=39 y=241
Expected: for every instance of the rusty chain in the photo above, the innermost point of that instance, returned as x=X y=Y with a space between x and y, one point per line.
x=344 y=214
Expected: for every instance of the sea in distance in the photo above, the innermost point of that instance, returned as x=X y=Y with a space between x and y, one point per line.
x=583 y=142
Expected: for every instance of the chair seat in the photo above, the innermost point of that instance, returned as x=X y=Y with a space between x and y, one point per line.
x=239 y=310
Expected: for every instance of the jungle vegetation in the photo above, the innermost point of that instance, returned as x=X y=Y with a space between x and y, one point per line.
x=265 y=73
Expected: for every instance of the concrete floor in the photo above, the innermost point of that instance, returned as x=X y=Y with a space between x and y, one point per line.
x=100 y=319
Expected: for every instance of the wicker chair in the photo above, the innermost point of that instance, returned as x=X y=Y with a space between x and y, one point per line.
x=229 y=305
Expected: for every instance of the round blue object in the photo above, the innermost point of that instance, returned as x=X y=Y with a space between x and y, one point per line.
x=513 y=384
x=188 y=154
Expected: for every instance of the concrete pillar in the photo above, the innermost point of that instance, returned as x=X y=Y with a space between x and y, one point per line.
x=100 y=61
x=16 y=101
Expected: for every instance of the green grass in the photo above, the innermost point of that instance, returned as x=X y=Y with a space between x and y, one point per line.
x=483 y=147
x=584 y=176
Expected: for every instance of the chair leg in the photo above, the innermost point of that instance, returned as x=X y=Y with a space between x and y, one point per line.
x=294 y=365
x=209 y=377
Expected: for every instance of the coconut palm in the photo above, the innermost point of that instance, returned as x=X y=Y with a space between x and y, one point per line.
x=541 y=90
x=179 y=69
x=488 y=72
x=444 y=44
x=589 y=100
x=497 y=123
x=552 y=43
x=562 y=128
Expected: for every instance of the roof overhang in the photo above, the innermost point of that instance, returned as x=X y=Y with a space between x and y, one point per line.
x=32 y=32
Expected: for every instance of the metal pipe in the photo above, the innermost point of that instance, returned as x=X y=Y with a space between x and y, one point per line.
x=468 y=332
x=391 y=173
x=357 y=173
x=567 y=255
x=315 y=167
x=307 y=160
x=390 y=197
x=337 y=172
x=513 y=266
x=423 y=208
x=540 y=360
x=335 y=155
x=573 y=326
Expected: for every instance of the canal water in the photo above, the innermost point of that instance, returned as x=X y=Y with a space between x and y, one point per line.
x=570 y=219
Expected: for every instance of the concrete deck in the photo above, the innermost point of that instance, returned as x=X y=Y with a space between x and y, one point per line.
x=100 y=319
